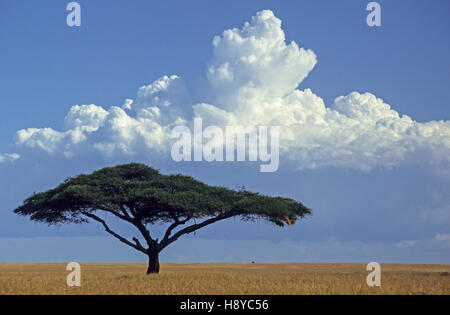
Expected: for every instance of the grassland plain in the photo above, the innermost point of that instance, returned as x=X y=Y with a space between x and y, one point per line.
x=221 y=278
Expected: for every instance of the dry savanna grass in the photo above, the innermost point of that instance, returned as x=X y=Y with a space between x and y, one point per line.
x=245 y=279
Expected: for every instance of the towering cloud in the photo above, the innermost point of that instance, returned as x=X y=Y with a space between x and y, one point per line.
x=252 y=78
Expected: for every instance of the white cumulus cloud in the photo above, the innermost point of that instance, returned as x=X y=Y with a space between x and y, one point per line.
x=253 y=78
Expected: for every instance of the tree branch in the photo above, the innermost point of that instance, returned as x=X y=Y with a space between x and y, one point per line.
x=137 y=246
x=172 y=227
x=145 y=233
x=133 y=212
x=192 y=228
x=125 y=212
x=116 y=213
x=137 y=242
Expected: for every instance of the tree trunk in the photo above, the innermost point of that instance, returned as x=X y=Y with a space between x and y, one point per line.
x=153 y=262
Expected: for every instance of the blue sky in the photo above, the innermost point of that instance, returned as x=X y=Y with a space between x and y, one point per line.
x=398 y=209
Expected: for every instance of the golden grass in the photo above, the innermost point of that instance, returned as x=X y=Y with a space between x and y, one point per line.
x=291 y=278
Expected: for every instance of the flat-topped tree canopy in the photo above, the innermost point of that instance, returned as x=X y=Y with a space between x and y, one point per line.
x=142 y=196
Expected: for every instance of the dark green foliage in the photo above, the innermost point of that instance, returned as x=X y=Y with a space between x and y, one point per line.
x=153 y=197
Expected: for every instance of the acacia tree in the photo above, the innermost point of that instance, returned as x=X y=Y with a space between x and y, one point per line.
x=142 y=197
